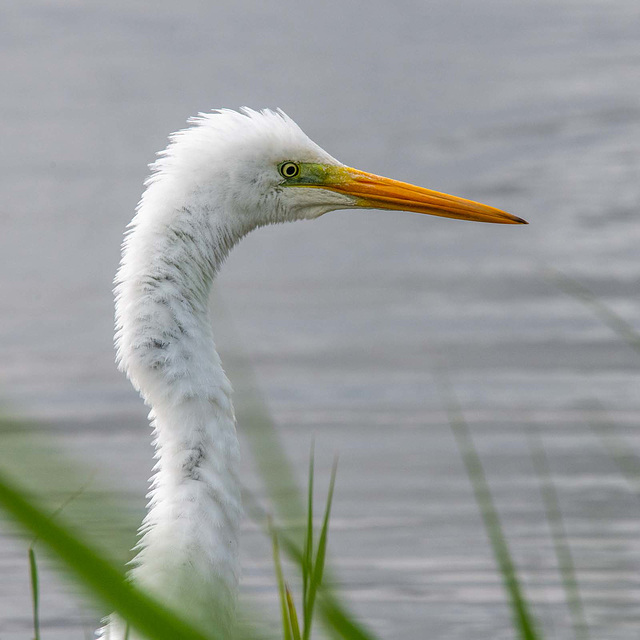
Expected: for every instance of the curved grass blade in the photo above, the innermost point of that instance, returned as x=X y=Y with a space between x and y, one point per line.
x=103 y=580
x=284 y=610
x=522 y=618
x=293 y=615
x=275 y=470
x=256 y=423
x=307 y=565
x=558 y=535
x=33 y=453
x=619 y=448
x=608 y=316
x=33 y=567
x=336 y=618
x=35 y=593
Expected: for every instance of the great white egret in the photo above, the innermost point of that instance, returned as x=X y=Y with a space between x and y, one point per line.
x=227 y=174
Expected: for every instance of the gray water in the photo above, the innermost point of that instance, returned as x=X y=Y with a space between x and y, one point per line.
x=533 y=107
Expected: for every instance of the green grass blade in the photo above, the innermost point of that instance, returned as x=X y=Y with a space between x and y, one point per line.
x=33 y=567
x=522 y=618
x=334 y=615
x=318 y=565
x=608 y=316
x=35 y=593
x=619 y=449
x=32 y=453
x=286 y=622
x=338 y=619
x=104 y=581
x=307 y=564
x=275 y=469
x=256 y=423
x=318 y=569
x=293 y=615
x=558 y=535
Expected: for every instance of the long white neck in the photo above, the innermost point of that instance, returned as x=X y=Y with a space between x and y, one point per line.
x=188 y=550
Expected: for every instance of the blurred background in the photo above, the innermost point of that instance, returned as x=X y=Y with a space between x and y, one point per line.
x=533 y=107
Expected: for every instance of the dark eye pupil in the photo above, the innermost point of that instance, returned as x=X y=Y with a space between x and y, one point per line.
x=289 y=170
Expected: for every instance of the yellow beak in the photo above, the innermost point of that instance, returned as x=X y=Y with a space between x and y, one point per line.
x=376 y=192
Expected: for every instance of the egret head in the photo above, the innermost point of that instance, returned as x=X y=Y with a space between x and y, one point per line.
x=260 y=168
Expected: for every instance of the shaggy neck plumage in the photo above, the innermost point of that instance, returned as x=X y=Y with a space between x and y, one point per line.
x=215 y=182
x=188 y=550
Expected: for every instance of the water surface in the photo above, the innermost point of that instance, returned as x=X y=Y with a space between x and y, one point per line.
x=530 y=106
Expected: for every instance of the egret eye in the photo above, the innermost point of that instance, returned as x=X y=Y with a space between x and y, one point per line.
x=289 y=169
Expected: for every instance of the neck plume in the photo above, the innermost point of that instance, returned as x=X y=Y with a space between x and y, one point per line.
x=188 y=549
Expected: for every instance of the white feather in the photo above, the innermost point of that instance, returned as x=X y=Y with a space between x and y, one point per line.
x=215 y=182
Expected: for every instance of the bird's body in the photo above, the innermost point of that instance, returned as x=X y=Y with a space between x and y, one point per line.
x=217 y=181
